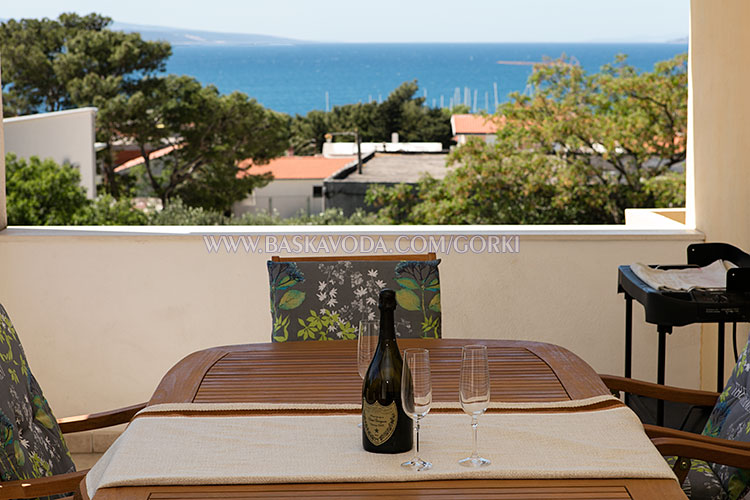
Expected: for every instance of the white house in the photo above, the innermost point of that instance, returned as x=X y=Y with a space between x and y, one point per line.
x=297 y=185
x=466 y=125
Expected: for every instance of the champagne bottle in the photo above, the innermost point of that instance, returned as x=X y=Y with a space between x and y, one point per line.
x=385 y=426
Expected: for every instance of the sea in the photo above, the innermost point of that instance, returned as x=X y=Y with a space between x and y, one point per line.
x=296 y=79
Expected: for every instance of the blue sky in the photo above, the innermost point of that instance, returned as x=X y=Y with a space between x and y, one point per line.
x=396 y=20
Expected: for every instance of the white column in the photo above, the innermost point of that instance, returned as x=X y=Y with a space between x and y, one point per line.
x=718 y=156
x=3 y=210
x=718 y=165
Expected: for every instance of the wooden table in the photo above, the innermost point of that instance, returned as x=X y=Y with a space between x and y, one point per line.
x=326 y=372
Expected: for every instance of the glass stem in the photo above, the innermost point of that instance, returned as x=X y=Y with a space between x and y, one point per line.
x=416 y=432
x=474 y=424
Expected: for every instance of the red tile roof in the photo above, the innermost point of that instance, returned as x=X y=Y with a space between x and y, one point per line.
x=126 y=155
x=285 y=167
x=297 y=167
x=475 y=124
x=139 y=159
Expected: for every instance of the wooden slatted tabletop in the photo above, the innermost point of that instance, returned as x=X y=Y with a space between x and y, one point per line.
x=517 y=375
x=326 y=372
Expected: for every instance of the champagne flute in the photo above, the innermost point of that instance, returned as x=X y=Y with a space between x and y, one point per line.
x=416 y=396
x=367 y=342
x=474 y=393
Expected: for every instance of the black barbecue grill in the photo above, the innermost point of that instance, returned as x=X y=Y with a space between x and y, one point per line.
x=668 y=308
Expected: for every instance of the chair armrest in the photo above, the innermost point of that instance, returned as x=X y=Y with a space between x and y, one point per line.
x=99 y=420
x=665 y=392
x=43 y=486
x=654 y=431
x=690 y=448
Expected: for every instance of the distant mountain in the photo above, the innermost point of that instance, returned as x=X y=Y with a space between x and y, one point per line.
x=180 y=36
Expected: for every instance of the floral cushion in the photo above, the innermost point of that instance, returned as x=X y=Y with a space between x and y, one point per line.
x=730 y=419
x=31 y=444
x=701 y=483
x=327 y=300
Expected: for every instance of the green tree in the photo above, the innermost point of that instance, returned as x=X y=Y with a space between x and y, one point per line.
x=580 y=149
x=391 y=112
x=43 y=193
x=210 y=135
x=105 y=210
x=179 y=214
x=396 y=202
x=363 y=118
x=75 y=61
x=401 y=112
x=308 y=132
x=51 y=65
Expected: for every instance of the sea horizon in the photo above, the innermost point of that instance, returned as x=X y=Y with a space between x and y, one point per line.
x=298 y=78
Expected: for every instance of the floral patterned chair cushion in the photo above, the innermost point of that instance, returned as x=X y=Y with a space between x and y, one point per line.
x=701 y=483
x=730 y=419
x=31 y=442
x=327 y=300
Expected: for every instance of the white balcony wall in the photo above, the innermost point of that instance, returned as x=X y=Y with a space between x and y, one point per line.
x=104 y=313
x=65 y=136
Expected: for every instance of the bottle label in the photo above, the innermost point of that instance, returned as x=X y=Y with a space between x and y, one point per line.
x=379 y=421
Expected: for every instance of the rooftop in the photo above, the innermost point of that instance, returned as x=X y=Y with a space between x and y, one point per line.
x=298 y=167
x=285 y=167
x=396 y=168
x=138 y=160
x=474 y=124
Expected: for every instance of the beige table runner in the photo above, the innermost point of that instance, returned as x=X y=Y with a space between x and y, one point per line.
x=212 y=447
x=587 y=404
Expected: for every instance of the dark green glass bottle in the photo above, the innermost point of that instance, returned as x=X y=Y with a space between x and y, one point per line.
x=385 y=426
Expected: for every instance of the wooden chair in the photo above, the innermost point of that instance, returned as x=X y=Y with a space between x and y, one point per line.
x=324 y=298
x=694 y=454
x=68 y=483
x=31 y=443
